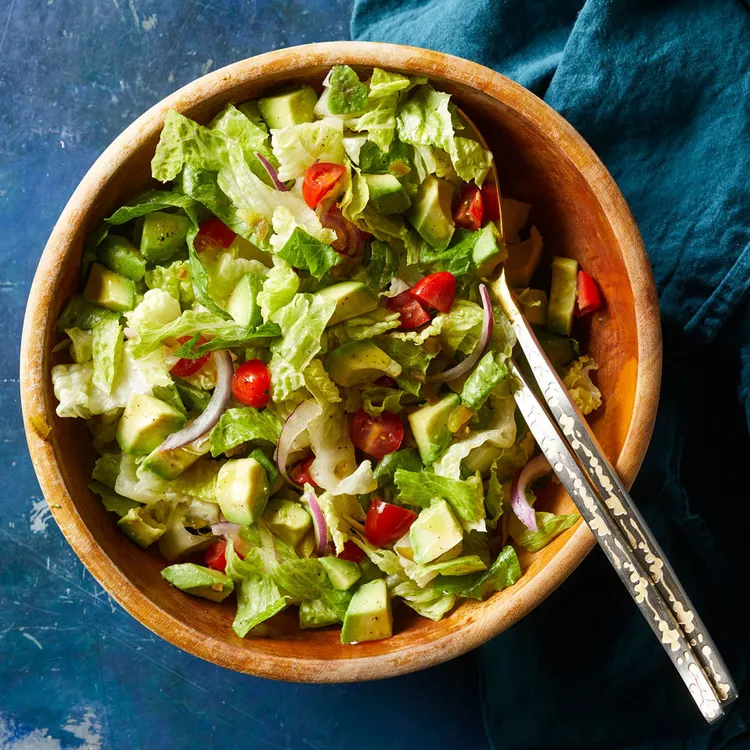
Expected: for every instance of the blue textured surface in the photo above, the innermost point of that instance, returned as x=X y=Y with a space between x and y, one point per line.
x=76 y=671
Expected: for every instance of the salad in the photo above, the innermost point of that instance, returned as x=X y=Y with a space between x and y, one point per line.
x=292 y=368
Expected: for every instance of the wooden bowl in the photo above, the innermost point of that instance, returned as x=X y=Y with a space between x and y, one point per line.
x=579 y=211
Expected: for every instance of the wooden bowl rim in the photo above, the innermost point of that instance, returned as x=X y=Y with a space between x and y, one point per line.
x=33 y=365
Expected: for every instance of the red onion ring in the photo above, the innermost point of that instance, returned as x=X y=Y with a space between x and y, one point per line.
x=349 y=237
x=224 y=528
x=488 y=324
x=294 y=426
x=536 y=468
x=218 y=404
x=271 y=172
x=319 y=523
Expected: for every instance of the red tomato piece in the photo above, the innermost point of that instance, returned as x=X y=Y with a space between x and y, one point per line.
x=251 y=384
x=408 y=307
x=300 y=472
x=470 y=209
x=387 y=523
x=376 y=436
x=319 y=180
x=491 y=201
x=351 y=552
x=213 y=234
x=216 y=556
x=437 y=290
x=589 y=298
x=185 y=367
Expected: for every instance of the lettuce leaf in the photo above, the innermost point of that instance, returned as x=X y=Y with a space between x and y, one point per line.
x=82 y=314
x=406 y=459
x=106 y=347
x=577 y=379
x=320 y=385
x=367 y=326
x=279 y=287
x=461 y=327
x=378 y=121
x=414 y=361
x=488 y=373
x=298 y=147
x=175 y=280
x=428 y=601
x=549 y=526
x=308 y=253
x=346 y=93
x=382 y=266
x=377 y=399
x=503 y=572
x=225 y=271
x=242 y=425
x=81 y=343
x=384 y=83
x=339 y=511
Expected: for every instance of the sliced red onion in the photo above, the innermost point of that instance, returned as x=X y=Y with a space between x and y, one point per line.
x=349 y=236
x=130 y=333
x=224 y=529
x=271 y=172
x=294 y=426
x=218 y=404
x=319 y=523
x=396 y=287
x=536 y=468
x=488 y=324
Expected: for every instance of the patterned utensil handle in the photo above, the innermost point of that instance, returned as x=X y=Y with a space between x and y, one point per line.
x=616 y=547
x=617 y=500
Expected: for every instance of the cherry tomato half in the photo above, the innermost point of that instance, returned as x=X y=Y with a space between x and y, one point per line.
x=319 y=180
x=437 y=290
x=408 y=307
x=491 y=202
x=185 y=367
x=213 y=234
x=351 y=552
x=376 y=436
x=387 y=523
x=251 y=384
x=216 y=556
x=470 y=209
x=589 y=299
x=300 y=472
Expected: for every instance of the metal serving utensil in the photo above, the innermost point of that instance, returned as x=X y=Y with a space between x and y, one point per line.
x=605 y=505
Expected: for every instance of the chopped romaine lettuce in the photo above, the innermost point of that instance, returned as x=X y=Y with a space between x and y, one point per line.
x=577 y=379
x=298 y=147
x=549 y=526
x=243 y=425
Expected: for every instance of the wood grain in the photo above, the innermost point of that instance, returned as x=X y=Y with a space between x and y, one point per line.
x=579 y=211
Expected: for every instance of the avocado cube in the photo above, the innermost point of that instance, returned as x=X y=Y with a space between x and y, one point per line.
x=146 y=423
x=352 y=298
x=435 y=532
x=163 y=235
x=242 y=490
x=288 y=520
x=141 y=527
x=489 y=250
x=242 y=305
x=308 y=545
x=429 y=424
x=431 y=213
x=523 y=258
x=170 y=464
x=199 y=581
x=289 y=107
x=343 y=574
x=562 y=296
x=109 y=289
x=387 y=194
x=533 y=303
x=368 y=617
x=559 y=350
x=360 y=362
x=481 y=458
x=117 y=254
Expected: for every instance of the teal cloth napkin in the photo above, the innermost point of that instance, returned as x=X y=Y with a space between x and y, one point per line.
x=661 y=91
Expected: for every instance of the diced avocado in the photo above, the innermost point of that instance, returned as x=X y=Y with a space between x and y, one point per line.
x=533 y=303
x=352 y=298
x=287 y=519
x=109 y=289
x=343 y=574
x=430 y=212
x=559 y=350
x=163 y=235
x=308 y=545
x=562 y=296
x=170 y=464
x=275 y=480
x=459 y=566
x=435 y=532
x=387 y=194
x=242 y=490
x=140 y=525
x=119 y=255
x=359 y=362
x=243 y=305
x=252 y=112
x=145 y=424
x=199 y=581
x=430 y=427
x=289 y=107
x=177 y=540
x=523 y=258
x=489 y=250
x=368 y=617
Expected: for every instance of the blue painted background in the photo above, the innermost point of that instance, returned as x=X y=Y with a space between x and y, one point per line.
x=76 y=671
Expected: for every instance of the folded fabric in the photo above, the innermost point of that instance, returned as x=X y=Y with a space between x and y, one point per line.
x=661 y=91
